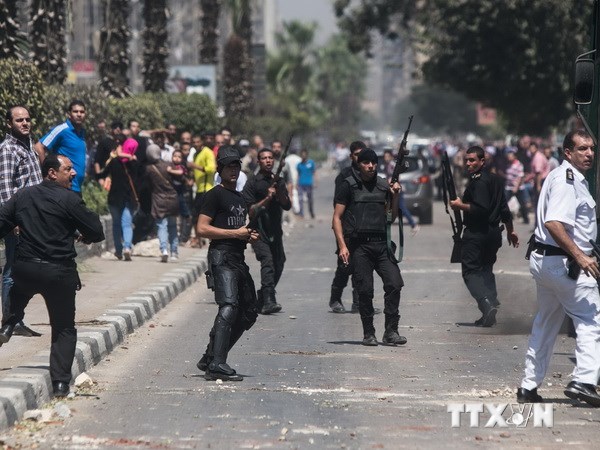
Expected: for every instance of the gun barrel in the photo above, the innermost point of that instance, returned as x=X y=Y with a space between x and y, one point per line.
x=595 y=248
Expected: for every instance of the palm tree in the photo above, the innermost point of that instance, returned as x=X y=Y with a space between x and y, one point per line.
x=13 y=42
x=209 y=47
x=48 y=43
x=156 y=48
x=113 y=57
x=237 y=64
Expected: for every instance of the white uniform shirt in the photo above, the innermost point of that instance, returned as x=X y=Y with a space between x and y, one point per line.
x=565 y=197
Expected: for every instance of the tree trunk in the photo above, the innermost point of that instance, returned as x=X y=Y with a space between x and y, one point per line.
x=156 y=49
x=209 y=45
x=48 y=43
x=113 y=56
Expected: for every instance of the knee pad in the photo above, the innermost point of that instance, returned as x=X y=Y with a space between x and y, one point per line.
x=226 y=289
x=228 y=313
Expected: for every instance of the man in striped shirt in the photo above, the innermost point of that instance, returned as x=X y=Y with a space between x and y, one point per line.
x=19 y=168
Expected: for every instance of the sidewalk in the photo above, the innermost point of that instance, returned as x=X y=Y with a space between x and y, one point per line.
x=116 y=298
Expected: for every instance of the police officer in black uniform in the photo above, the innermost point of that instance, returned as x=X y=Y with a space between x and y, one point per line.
x=223 y=221
x=360 y=226
x=48 y=216
x=343 y=271
x=263 y=190
x=484 y=207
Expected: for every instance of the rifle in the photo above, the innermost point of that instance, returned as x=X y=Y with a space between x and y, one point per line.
x=254 y=214
x=449 y=193
x=399 y=168
x=402 y=152
x=282 y=160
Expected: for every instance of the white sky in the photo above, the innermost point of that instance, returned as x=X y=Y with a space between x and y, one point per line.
x=320 y=11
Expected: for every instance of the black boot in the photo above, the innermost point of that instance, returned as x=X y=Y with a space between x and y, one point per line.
x=391 y=336
x=206 y=359
x=489 y=310
x=369 y=338
x=270 y=303
x=6 y=333
x=218 y=369
x=335 y=301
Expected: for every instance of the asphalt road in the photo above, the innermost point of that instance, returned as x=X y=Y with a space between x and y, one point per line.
x=310 y=384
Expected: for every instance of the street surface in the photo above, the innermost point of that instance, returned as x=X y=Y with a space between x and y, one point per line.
x=309 y=382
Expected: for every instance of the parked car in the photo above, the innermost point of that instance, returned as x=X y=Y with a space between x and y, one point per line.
x=417 y=186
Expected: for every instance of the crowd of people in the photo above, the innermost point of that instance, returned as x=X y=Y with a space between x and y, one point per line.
x=190 y=187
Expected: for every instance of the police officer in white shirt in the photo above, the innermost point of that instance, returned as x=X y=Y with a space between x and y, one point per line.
x=565 y=274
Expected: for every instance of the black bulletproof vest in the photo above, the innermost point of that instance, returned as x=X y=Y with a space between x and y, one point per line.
x=366 y=212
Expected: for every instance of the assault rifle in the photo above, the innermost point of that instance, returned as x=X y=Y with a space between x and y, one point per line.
x=282 y=160
x=399 y=168
x=402 y=152
x=449 y=193
x=255 y=213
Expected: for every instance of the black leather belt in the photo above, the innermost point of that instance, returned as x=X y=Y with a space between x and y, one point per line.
x=548 y=250
x=375 y=238
x=62 y=262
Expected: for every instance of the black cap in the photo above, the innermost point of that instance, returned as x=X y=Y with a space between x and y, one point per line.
x=368 y=154
x=226 y=155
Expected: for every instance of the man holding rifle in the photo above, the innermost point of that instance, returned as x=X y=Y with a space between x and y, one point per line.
x=268 y=190
x=484 y=207
x=565 y=274
x=360 y=226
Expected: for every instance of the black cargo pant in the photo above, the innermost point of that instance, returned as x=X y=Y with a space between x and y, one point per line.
x=374 y=256
x=271 y=256
x=57 y=283
x=478 y=255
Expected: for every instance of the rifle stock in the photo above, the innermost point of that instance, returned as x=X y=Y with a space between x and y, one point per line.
x=449 y=193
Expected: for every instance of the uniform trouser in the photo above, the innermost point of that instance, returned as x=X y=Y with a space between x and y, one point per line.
x=271 y=256
x=57 y=283
x=557 y=294
x=11 y=241
x=341 y=276
x=478 y=255
x=374 y=256
x=236 y=296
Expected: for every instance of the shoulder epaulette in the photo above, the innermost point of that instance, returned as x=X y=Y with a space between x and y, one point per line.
x=570 y=176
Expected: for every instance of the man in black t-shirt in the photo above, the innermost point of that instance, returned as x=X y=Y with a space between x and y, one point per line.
x=223 y=221
x=263 y=190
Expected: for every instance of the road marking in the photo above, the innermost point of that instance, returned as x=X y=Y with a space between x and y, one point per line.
x=519 y=273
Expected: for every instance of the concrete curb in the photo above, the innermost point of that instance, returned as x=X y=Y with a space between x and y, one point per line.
x=28 y=386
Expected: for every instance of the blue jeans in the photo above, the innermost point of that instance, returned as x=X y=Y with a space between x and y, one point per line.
x=167 y=234
x=10 y=247
x=308 y=190
x=404 y=210
x=122 y=227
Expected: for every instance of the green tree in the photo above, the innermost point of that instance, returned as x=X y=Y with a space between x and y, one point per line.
x=512 y=55
x=237 y=65
x=156 y=49
x=13 y=43
x=113 y=57
x=209 y=44
x=21 y=83
x=340 y=86
x=48 y=42
x=291 y=77
x=144 y=108
x=191 y=112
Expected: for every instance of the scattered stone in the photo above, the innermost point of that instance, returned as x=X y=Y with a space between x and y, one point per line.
x=515 y=347
x=284 y=431
x=218 y=381
x=293 y=317
x=38 y=415
x=505 y=435
x=62 y=410
x=557 y=375
x=147 y=248
x=83 y=380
